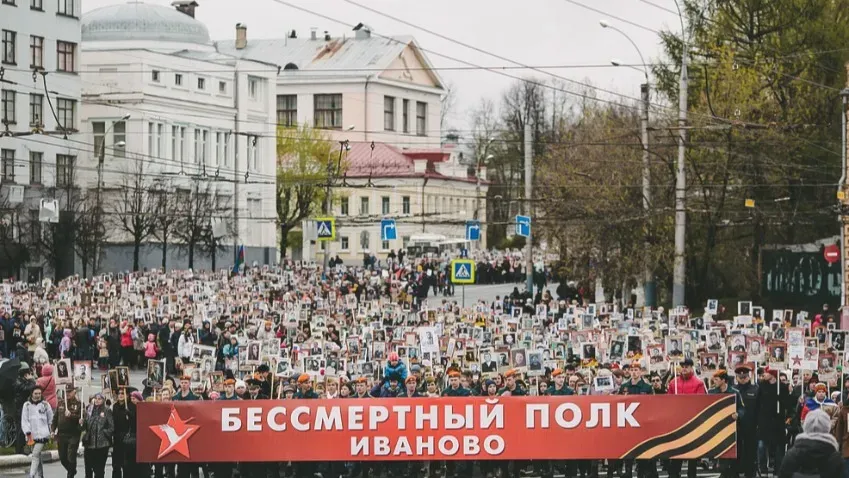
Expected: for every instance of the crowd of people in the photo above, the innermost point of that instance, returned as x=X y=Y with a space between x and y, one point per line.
x=297 y=332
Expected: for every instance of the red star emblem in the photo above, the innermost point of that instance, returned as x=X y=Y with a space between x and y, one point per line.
x=797 y=360
x=174 y=435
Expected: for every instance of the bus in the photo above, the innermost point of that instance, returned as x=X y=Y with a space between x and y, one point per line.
x=435 y=245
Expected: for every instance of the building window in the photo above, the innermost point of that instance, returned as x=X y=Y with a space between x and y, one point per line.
x=384 y=205
x=196 y=157
x=364 y=206
x=64 y=170
x=345 y=243
x=201 y=83
x=204 y=141
x=9 y=2
x=222 y=87
x=421 y=118
x=287 y=110
x=389 y=113
x=8 y=100
x=119 y=135
x=384 y=245
x=343 y=206
x=99 y=131
x=405 y=205
x=35 y=164
x=154 y=76
x=9 y=46
x=178 y=79
x=36 y=109
x=66 y=52
x=36 y=52
x=66 y=7
x=328 y=111
x=34 y=226
x=66 y=110
x=226 y=153
x=364 y=240
x=36 y=5
x=253 y=88
x=405 y=115
x=216 y=150
x=8 y=166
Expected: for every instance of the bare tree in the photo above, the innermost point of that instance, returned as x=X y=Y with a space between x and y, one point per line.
x=136 y=208
x=195 y=209
x=449 y=102
x=14 y=247
x=167 y=207
x=88 y=223
x=221 y=227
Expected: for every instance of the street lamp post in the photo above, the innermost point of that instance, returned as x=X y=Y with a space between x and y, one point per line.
x=484 y=157
x=101 y=158
x=649 y=285
x=328 y=195
x=679 y=275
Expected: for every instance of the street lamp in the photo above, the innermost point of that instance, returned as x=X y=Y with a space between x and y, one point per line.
x=649 y=286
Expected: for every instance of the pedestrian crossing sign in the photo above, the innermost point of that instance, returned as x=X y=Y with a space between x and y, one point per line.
x=463 y=271
x=325 y=228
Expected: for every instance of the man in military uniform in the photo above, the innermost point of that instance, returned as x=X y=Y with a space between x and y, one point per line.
x=747 y=436
x=67 y=428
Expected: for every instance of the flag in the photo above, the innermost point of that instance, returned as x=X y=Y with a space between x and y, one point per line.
x=240 y=260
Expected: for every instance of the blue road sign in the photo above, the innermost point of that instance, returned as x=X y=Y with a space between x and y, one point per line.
x=523 y=226
x=473 y=230
x=463 y=271
x=325 y=228
x=388 y=232
x=464 y=253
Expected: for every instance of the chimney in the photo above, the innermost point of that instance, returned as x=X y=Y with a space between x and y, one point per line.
x=241 y=36
x=363 y=32
x=326 y=35
x=313 y=33
x=186 y=7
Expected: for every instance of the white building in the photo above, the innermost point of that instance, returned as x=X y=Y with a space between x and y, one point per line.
x=38 y=36
x=199 y=121
x=380 y=94
x=426 y=191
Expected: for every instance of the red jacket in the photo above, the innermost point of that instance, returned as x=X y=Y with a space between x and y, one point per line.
x=691 y=386
x=127 y=338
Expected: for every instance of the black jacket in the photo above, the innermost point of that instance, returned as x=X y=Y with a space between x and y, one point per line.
x=121 y=420
x=811 y=456
x=23 y=390
x=771 y=411
x=99 y=428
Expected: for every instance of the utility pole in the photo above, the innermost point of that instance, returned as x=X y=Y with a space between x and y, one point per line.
x=649 y=285
x=529 y=194
x=328 y=195
x=481 y=158
x=679 y=277
x=844 y=202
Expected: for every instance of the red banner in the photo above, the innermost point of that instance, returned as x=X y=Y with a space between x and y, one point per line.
x=470 y=428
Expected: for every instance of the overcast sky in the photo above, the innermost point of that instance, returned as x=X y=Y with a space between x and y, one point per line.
x=530 y=32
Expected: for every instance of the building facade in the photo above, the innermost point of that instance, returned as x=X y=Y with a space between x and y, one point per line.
x=165 y=111
x=380 y=95
x=426 y=191
x=40 y=113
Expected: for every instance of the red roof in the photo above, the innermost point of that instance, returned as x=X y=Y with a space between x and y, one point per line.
x=388 y=161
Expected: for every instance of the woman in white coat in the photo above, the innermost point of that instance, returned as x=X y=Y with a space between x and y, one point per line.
x=184 y=345
x=36 y=420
